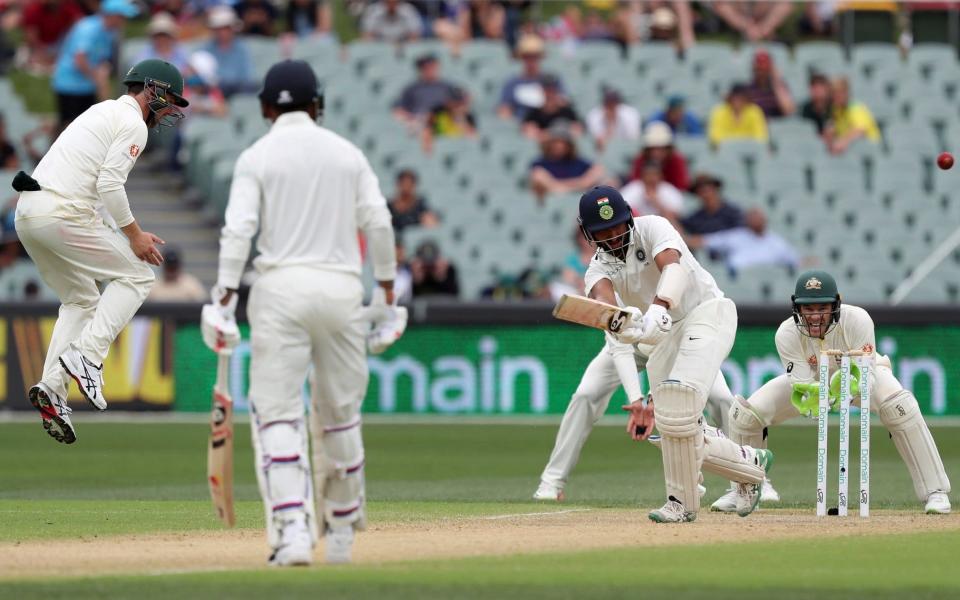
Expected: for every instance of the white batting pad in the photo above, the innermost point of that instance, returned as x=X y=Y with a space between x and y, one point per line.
x=339 y=478
x=901 y=416
x=746 y=428
x=678 y=410
x=283 y=473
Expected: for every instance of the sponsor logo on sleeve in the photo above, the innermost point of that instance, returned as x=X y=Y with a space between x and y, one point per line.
x=789 y=367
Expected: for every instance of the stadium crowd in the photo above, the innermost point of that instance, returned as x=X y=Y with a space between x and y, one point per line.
x=75 y=43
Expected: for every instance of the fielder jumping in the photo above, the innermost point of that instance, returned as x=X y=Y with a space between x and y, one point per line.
x=307 y=190
x=58 y=220
x=679 y=310
x=820 y=322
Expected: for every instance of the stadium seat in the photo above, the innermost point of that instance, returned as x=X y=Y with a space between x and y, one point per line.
x=820 y=56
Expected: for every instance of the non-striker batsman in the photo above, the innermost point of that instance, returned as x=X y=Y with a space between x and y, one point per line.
x=308 y=191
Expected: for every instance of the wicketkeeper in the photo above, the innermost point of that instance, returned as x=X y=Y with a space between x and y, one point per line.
x=819 y=323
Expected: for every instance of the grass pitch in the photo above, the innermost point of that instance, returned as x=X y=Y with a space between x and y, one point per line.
x=124 y=479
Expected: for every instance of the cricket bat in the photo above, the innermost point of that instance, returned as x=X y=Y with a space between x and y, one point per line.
x=220 y=448
x=590 y=312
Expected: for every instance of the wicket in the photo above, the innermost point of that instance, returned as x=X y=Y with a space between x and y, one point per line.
x=864 y=363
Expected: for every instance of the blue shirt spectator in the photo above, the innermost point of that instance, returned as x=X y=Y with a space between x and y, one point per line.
x=234 y=65
x=678 y=118
x=83 y=66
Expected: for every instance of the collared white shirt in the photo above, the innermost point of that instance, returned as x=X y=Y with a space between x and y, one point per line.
x=626 y=124
x=89 y=163
x=308 y=191
x=635 y=193
x=635 y=280
x=800 y=353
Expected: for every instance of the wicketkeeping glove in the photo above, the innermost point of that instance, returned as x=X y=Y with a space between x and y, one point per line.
x=218 y=325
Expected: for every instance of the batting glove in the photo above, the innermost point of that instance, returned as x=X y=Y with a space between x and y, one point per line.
x=218 y=325
x=388 y=322
x=652 y=328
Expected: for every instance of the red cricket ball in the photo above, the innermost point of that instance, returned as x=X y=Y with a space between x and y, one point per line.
x=945 y=160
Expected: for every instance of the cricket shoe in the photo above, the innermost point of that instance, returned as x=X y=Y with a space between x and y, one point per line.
x=768 y=493
x=748 y=494
x=55 y=413
x=296 y=545
x=937 y=504
x=549 y=492
x=339 y=544
x=726 y=503
x=89 y=377
x=672 y=512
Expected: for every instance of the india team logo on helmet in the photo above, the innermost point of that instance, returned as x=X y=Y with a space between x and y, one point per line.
x=813 y=284
x=606 y=211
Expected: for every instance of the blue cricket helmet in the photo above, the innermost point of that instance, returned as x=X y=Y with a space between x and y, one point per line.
x=601 y=208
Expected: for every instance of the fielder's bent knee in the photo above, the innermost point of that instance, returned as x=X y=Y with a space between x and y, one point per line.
x=896 y=411
x=742 y=417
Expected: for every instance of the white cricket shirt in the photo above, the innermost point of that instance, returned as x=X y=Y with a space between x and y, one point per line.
x=800 y=353
x=88 y=164
x=308 y=191
x=635 y=281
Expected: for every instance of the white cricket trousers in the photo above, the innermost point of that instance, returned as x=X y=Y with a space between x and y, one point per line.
x=302 y=316
x=74 y=250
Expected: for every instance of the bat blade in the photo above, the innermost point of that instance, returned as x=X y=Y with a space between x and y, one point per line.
x=220 y=445
x=592 y=313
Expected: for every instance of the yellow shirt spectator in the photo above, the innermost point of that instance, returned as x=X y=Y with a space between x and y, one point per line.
x=855 y=116
x=725 y=124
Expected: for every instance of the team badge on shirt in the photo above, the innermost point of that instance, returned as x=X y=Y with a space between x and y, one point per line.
x=134 y=150
x=641 y=255
x=606 y=211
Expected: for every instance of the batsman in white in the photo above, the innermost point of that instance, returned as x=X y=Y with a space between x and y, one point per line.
x=59 y=222
x=820 y=322
x=617 y=364
x=308 y=191
x=679 y=310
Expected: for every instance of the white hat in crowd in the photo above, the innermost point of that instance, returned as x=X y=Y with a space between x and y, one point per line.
x=221 y=16
x=657 y=135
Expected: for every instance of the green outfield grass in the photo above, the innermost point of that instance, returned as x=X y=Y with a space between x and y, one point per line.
x=141 y=477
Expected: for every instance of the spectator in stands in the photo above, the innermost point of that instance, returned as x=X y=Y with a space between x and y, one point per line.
x=452 y=119
x=425 y=94
x=391 y=21
x=750 y=245
x=715 y=213
x=407 y=207
x=767 y=89
x=613 y=120
x=309 y=17
x=176 y=285
x=82 y=73
x=470 y=19
x=234 y=64
x=188 y=15
x=524 y=92
x=44 y=24
x=817 y=19
x=665 y=21
x=737 y=119
x=8 y=154
x=651 y=195
x=162 y=30
x=432 y=274
x=755 y=21
x=818 y=106
x=201 y=87
x=658 y=146
x=560 y=169
x=851 y=120
x=256 y=17
x=556 y=109
x=680 y=120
